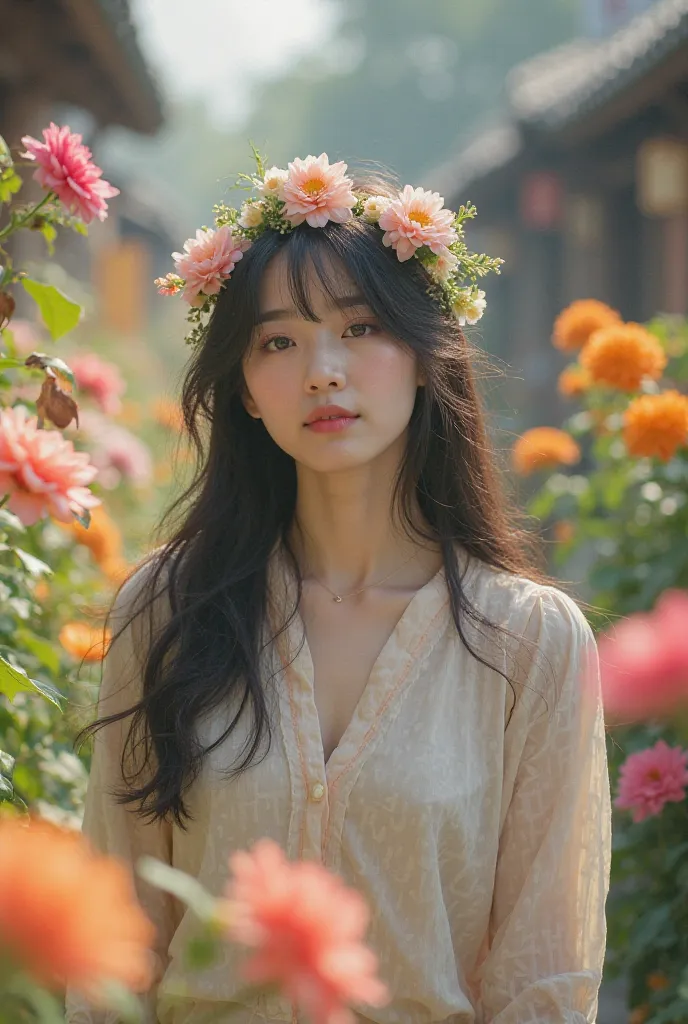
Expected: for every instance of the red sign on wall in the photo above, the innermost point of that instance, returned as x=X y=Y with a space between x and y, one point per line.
x=541 y=201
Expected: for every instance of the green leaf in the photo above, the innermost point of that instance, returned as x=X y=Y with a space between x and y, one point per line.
x=6 y=769
x=177 y=883
x=5 y=154
x=7 y=363
x=201 y=952
x=12 y=522
x=84 y=519
x=10 y=183
x=41 y=361
x=59 y=313
x=34 y=566
x=125 y=1004
x=40 y=648
x=14 y=680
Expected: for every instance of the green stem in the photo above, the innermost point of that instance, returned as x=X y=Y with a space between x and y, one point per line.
x=14 y=226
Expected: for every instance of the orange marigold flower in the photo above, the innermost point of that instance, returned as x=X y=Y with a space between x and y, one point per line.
x=657 y=981
x=576 y=323
x=69 y=914
x=621 y=356
x=656 y=425
x=168 y=414
x=306 y=929
x=544 y=448
x=573 y=381
x=87 y=643
x=102 y=537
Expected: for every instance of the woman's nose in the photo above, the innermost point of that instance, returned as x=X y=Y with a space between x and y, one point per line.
x=326 y=371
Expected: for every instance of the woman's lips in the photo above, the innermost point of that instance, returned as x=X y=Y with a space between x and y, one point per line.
x=332 y=425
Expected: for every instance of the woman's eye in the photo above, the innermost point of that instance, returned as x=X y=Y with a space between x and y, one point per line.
x=278 y=344
x=360 y=330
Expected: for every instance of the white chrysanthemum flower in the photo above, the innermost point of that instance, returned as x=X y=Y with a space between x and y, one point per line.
x=273 y=182
x=251 y=215
x=444 y=266
x=374 y=207
x=469 y=306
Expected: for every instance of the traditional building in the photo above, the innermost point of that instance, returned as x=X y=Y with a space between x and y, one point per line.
x=583 y=187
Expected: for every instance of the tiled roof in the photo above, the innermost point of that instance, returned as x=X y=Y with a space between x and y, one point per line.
x=560 y=86
x=489 y=151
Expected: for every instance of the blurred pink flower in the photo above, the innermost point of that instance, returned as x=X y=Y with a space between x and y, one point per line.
x=644 y=661
x=652 y=778
x=41 y=471
x=317 y=191
x=100 y=379
x=116 y=452
x=208 y=260
x=65 y=167
x=415 y=218
x=26 y=336
x=306 y=928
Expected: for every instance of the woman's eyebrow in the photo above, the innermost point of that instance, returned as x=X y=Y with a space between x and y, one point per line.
x=341 y=302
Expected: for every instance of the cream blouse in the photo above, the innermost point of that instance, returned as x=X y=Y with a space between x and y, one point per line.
x=480 y=838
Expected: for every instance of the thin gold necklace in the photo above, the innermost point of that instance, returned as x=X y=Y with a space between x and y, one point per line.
x=338 y=598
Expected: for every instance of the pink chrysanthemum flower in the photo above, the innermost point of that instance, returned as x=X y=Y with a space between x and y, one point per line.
x=65 y=168
x=644 y=661
x=317 y=191
x=652 y=778
x=306 y=929
x=41 y=471
x=415 y=218
x=208 y=260
x=116 y=453
x=100 y=379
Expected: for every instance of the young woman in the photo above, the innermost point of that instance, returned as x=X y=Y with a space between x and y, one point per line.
x=345 y=646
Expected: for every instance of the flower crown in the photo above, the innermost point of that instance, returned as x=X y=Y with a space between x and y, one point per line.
x=415 y=224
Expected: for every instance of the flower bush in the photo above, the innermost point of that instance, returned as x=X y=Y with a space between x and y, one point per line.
x=618 y=520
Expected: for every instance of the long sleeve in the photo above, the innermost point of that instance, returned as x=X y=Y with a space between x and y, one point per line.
x=115 y=829
x=547 y=928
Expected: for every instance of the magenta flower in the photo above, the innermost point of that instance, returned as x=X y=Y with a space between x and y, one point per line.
x=100 y=379
x=65 y=168
x=208 y=260
x=652 y=778
x=415 y=218
x=41 y=471
x=644 y=661
x=318 y=192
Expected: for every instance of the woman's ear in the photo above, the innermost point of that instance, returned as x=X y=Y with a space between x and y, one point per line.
x=249 y=405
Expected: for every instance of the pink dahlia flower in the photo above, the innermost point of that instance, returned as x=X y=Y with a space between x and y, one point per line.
x=65 y=168
x=317 y=191
x=100 y=379
x=415 y=218
x=652 y=778
x=306 y=929
x=41 y=471
x=644 y=661
x=208 y=260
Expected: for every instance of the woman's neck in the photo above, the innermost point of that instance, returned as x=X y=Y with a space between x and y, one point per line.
x=346 y=534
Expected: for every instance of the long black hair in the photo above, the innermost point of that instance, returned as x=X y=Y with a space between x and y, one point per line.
x=210 y=644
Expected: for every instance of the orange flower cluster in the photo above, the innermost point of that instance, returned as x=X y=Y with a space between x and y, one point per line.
x=87 y=643
x=622 y=355
x=544 y=448
x=68 y=914
x=656 y=425
x=104 y=541
x=577 y=322
x=573 y=381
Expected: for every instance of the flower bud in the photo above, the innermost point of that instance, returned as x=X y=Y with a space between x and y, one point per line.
x=56 y=405
x=7 y=305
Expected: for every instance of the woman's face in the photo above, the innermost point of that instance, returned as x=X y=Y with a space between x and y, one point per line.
x=334 y=394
